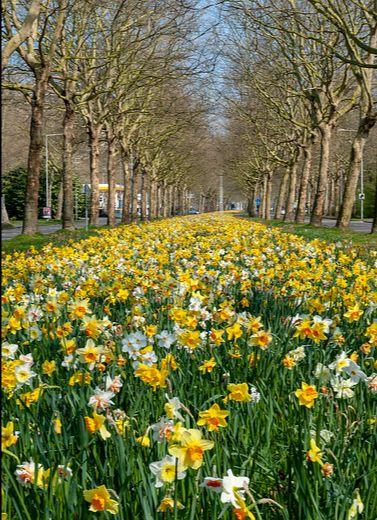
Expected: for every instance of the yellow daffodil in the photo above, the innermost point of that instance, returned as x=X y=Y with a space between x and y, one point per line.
x=99 y=499
x=213 y=418
x=97 y=423
x=307 y=394
x=191 y=448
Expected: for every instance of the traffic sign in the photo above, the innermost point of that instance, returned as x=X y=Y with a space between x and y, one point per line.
x=46 y=212
x=86 y=189
x=361 y=196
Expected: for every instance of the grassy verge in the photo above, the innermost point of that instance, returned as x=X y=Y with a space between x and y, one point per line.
x=323 y=233
x=59 y=238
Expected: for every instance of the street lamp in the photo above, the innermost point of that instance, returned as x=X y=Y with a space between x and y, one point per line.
x=361 y=194
x=47 y=178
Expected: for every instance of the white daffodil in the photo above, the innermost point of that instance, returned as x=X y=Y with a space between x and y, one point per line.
x=213 y=483
x=101 y=399
x=167 y=471
x=114 y=385
x=172 y=408
x=343 y=388
x=322 y=372
x=165 y=339
x=8 y=350
x=340 y=362
x=24 y=375
x=298 y=353
x=231 y=484
x=353 y=370
x=162 y=429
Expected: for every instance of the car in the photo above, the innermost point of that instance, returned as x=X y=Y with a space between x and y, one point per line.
x=193 y=211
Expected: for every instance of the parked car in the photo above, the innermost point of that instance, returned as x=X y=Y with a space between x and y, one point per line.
x=193 y=211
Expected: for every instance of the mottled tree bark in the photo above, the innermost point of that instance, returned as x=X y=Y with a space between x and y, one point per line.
x=289 y=214
x=134 y=197
x=267 y=210
x=68 y=220
x=94 y=132
x=353 y=174
x=280 y=203
x=319 y=199
x=304 y=185
x=111 y=184
x=143 y=193
x=59 y=207
x=126 y=217
x=4 y=213
x=30 y=224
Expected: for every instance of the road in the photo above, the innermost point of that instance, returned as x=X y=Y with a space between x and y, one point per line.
x=355 y=225
x=6 y=234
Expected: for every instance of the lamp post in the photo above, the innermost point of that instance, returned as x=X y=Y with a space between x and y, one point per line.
x=47 y=176
x=361 y=194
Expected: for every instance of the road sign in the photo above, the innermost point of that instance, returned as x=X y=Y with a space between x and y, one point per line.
x=258 y=202
x=86 y=189
x=361 y=196
x=46 y=212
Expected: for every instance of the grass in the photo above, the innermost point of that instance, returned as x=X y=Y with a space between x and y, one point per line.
x=59 y=238
x=323 y=233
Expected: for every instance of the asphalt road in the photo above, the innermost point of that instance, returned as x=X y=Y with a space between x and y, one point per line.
x=355 y=225
x=6 y=234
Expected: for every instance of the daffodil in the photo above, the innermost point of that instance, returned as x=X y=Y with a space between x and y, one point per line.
x=99 y=499
x=97 y=423
x=306 y=395
x=238 y=392
x=191 y=448
x=213 y=418
x=8 y=436
x=167 y=471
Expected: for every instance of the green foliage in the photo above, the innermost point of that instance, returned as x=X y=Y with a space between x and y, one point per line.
x=14 y=191
x=369 y=190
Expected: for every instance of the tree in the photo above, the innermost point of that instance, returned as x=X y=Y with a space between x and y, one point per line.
x=37 y=53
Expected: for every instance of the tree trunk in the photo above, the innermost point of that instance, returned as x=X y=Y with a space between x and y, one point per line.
x=161 y=204
x=251 y=203
x=153 y=200
x=280 y=203
x=304 y=185
x=319 y=199
x=68 y=220
x=94 y=133
x=267 y=210
x=134 y=196
x=59 y=208
x=30 y=224
x=4 y=213
x=111 y=153
x=126 y=217
x=352 y=179
x=289 y=214
x=143 y=193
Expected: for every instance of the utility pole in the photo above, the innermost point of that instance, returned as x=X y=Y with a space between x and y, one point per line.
x=362 y=188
